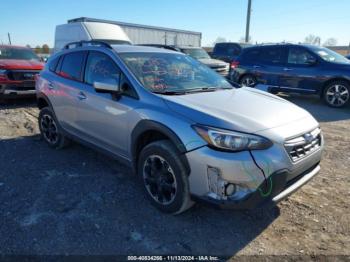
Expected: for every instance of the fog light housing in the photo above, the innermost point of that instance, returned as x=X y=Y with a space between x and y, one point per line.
x=230 y=189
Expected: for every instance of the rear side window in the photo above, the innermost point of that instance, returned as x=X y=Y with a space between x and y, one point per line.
x=53 y=63
x=101 y=68
x=271 y=55
x=72 y=66
x=251 y=55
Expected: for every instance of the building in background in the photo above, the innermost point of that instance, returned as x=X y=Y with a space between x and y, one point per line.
x=144 y=34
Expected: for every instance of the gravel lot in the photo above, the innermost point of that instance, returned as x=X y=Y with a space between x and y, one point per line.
x=78 y=201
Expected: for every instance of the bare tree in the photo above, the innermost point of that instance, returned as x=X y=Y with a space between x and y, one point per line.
x=219 y=39
x=312 y=39
x=330 y=42
x=37 y=49
x=45 y=49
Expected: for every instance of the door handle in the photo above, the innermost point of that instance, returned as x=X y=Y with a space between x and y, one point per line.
x=81 y=96
x=287 y=69
x=256 y=66
x=50 y=85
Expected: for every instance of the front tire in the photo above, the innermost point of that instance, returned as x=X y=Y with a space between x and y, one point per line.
x=164 y=177
x=337 y=94
x=49 y=129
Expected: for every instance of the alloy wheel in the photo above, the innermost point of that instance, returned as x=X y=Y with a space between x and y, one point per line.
x=49 y=129
x=159 y=180
x=248 y=81
x=337 y=95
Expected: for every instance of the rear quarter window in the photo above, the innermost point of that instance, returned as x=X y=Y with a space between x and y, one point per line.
x=53 y=63
x=251 y=55
x=72 y=65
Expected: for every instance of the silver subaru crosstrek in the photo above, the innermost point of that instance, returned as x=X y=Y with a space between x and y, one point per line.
x=186 y=132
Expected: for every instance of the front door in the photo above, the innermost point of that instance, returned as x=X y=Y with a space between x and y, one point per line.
x=103 y=119
x=300 y=72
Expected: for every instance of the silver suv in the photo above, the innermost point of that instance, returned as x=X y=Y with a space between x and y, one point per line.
x=187 y=133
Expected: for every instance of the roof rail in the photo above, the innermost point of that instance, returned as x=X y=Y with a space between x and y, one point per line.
x=87 y=43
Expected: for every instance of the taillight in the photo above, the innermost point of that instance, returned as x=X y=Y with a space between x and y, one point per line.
x=234 y=64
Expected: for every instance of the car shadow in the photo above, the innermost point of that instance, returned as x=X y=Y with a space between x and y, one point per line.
x=318 y=108
x=18 y=102
x=78 y=201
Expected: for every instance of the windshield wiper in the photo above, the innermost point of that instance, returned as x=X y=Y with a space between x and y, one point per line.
x=206 y=89
x=170 y=92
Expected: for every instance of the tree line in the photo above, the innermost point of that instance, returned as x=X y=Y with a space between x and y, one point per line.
x=44 y=49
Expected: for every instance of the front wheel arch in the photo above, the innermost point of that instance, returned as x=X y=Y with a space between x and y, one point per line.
x=145 y=127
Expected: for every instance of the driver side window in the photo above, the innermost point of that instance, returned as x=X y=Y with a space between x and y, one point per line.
x=299 y=56
x=101 y=68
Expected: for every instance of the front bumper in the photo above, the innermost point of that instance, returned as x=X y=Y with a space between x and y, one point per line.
x=269 y=193
x=259 y=177
x=18 y=88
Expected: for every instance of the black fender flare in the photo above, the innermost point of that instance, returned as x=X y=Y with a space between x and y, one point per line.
x=150 y=125
x=40 y=96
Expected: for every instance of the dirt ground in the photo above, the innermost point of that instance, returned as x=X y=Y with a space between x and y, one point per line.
x=77 y=201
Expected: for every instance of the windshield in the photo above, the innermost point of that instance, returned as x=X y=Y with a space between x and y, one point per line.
x=330 y=56
x=17 y=53
x=172 y=72
x=197 y=53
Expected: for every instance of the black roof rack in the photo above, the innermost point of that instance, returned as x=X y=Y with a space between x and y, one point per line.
x=87 y=43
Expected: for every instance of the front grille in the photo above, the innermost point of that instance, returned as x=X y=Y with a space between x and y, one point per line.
x=302 y=146
x=20 y=75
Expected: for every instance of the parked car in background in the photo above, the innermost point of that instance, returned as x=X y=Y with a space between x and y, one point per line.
x=18 y=67
x=295 y=68
x=185 y=130
x=200 y=54
x=227 y=51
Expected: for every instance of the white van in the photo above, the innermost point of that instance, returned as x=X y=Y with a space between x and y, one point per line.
x=87 y=31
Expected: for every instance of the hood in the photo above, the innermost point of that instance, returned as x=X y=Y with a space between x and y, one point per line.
x=212 y=62
x=21 y=64
x=244 y=109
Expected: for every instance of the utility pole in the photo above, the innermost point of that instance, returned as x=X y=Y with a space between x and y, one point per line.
x=249 y=10
x=8 y=34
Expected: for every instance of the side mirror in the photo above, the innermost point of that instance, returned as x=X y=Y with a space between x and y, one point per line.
x=107 y=87
x=311 y=61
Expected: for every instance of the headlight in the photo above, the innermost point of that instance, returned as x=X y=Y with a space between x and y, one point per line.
x=232 y=140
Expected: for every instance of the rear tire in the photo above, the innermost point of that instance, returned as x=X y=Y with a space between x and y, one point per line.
x=337 y=94
x=248 y=80
x=50 y=130
x=164 y=177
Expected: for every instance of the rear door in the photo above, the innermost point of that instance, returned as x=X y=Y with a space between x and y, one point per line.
x=265 y=64
x=63 y=88
x=101 y=118
x=299 y=73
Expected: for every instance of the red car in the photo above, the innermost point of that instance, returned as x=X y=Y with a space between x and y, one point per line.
x=18 y=67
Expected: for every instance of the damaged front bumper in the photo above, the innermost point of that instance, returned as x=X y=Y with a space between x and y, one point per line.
x=246 y=180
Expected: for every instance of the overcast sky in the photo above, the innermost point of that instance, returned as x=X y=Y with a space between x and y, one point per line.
x=33 y=22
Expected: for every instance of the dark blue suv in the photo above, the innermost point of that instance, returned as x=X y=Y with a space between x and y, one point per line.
x=295 y=68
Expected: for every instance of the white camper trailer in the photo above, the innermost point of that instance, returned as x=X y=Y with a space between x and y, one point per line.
x=87 y=31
